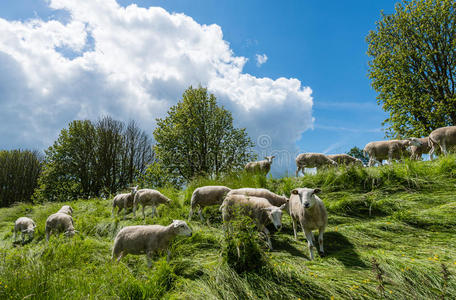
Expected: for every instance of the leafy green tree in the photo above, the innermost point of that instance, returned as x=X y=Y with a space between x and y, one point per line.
x=19 y=171
x=413 y=66
x=358 y=153
x=198 y=138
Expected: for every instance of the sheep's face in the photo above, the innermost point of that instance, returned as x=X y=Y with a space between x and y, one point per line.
x=414 y=142
x=134 y=190
x=29 y=231
x=70 y=233
x=307 y=196
x=269 y=158
x=275 y=215
x=182 y=228
x=66 y=209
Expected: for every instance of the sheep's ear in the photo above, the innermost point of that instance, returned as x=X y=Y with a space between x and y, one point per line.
x=295 y=192
x=282 y=207
x=316 y=191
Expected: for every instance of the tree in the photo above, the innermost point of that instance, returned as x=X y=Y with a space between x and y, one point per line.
x=89 y=159
x=198 y=138
x=413 y=66
x=358 y=153
x=19 y=173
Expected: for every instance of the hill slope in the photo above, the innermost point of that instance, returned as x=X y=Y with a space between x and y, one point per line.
x=403 y=216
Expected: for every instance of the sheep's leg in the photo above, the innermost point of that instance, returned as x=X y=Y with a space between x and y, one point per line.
x=313 y=237
x=149 y=259
x=48 y=233
x=22 y=237
x=154 y=211
x=268 y=239
x=14 y=236
x=144 y=215
x=190 y=214
x=320 y=240
x=443 y=148
x=168 y=256
x=294 y=228
x=308 y=235
x=297 y=171
x=200 y=213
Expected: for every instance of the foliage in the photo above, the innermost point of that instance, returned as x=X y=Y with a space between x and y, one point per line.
x=89 y=159
x=19 y=173
x=157 y=176
x=413 y=66
x=358 y=153
x=198 y=138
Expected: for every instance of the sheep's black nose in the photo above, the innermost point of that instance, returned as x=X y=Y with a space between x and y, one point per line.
x=306 y=205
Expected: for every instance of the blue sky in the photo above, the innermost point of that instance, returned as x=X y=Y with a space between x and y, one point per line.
x=319 y=43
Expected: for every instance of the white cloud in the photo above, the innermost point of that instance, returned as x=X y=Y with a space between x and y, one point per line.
x=261 y=59
x=132 y=62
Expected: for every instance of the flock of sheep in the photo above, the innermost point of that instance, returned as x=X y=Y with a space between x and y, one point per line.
x=262 y=205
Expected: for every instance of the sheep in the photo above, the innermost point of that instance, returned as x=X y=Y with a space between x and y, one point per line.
x=444 y=137
x=312 y=160
x=25 y=226
x=380 y=150
x=274 y=199
x=207 y=196
x=306 y=208
x=262 y=166
x=345 y=159
x=61 y=221
x=259 y=209
x=124 y=201
x=418 y=147
x=149 y=197
x=147 y=239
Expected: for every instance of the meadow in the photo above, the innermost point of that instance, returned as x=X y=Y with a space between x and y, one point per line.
x=391 y=235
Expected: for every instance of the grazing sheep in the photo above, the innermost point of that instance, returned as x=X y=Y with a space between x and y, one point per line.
x=345 y=159
x=25 y=226
x=418 y=147
x=307 y=209
x=207 y=196
x=381 y=150
x=147 y=239
x=149 y=197
x=124 y=201
x=444 y=138
x=262 y=166
x=274 y=199
x=312 y=160
x=259 y=209
x=61 y=221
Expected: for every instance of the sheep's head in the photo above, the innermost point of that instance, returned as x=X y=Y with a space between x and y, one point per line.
x=70 y=232
x=66 y=209
x=275 y=215
x=30 y=231
x=182 y=228
x=307 y=196
x=134 y=189
x=414 y=142
x=269 y=158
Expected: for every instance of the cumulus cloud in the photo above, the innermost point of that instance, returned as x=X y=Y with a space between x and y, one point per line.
x=132 y=63
x=261 y=59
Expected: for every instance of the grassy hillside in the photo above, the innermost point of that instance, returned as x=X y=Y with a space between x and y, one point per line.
x=401 y=218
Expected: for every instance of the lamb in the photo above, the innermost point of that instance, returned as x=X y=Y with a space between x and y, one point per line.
x=381 y=150
x=262 y=166
x=444 y=137
x=61 y=221
x=149 y=197
x=307 y=209
x=147 y=239
x=259 y=209
x=25 y=226
x=312 y=160
x=124 y=201
x=345 y=159
x=274 y=199
x=418 y=147
x=207 y=196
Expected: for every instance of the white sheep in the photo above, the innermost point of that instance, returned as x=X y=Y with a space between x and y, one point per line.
x=444 y=138
x=147 y=239
x=124 y=201
x=25 y=226
x=306 y=208
x=149 y=197
x=207 y=196
x=275 y=199
x=61 y=221
x=259 y=209
x=262 y=166
x=312 y=160
x=381 y=150
x=345 y=159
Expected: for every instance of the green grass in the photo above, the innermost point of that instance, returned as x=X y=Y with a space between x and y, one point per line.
x=403 y=215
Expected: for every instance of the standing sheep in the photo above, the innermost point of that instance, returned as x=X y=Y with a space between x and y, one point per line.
x=124 y=201
x=207 y=196
x=147 y=239
x=312 y=160
x=381 y=150
x=25 y=226
x=345 y=159
x=418 y=147
x=262 y=166
x=259 y=209
x=444 y=138
x=149 y=197
x=61 y=221
x=307 y=209
x=273 y=198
